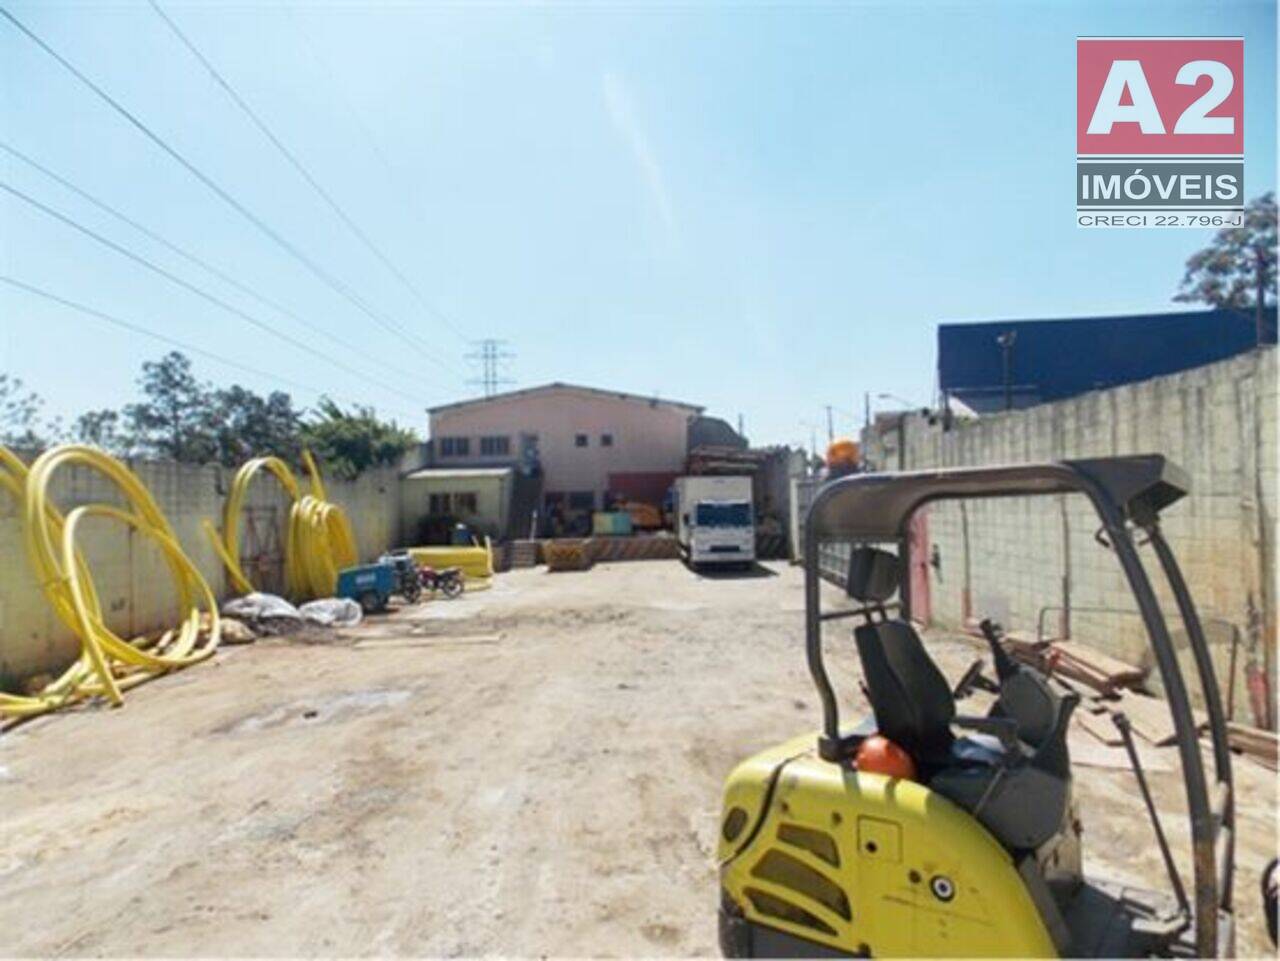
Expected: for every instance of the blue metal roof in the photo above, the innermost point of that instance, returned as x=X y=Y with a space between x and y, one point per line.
x=1055 y=359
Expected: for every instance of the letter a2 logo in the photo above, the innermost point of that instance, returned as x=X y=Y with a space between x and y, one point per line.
x=1145 y=97
x=1159 y=132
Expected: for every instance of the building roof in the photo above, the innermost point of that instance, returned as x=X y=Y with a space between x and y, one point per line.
x=1055 y=359
x=461 y=473
x=714 y=432
x=560 y=385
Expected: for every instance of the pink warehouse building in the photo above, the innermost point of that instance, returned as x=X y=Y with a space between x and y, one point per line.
x=587 y=442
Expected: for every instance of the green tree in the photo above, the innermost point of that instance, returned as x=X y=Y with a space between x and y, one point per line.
x=176 y=421
x=349 y=442
x=102 y=428
x=1238 y=269
x=250 y=425
x=20 y=421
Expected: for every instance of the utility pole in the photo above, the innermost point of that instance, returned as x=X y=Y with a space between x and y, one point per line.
x=741 y=432
x=866 y=408
x=831 y=430
x=1006 y=342
x=489 y=354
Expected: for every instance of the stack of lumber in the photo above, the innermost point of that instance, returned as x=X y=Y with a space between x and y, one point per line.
x=1102 y=672
x=1253 y=742
x=1150 y=719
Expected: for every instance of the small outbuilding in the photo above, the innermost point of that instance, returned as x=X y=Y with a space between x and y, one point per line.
x=437 y=498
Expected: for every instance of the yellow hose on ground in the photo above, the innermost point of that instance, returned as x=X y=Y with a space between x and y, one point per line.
x=108 y=664
x=474 y=561
x=319 y=542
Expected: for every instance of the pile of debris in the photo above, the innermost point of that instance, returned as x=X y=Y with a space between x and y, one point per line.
x=245 y=619
x=1116 y=687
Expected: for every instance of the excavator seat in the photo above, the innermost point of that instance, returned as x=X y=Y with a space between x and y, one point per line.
x=1013 y=774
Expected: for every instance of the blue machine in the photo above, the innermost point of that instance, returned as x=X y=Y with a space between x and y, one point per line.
x=370 y=584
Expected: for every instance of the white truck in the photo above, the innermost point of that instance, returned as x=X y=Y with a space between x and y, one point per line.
x=715 y=520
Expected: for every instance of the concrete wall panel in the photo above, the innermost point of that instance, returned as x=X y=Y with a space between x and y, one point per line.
x=1013 y=558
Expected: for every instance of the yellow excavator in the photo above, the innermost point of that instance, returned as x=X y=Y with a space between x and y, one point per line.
x=927 y=832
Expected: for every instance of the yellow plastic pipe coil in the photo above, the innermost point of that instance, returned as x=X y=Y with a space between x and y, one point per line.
x=108 y=664
x=319 y=542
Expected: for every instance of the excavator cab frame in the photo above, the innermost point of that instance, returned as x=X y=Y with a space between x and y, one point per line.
x=1128 y=494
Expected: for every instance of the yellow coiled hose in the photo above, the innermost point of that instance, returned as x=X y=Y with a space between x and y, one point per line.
x=108 y=664
x=319 y=542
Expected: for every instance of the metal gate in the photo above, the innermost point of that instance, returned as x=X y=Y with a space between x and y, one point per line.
x=262 y=547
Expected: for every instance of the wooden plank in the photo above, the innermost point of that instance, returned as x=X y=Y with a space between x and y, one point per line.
x=1092 y=667
x=1071 y=671
x=1099 y=661
x=398 y=642
x=1149 y=717
x=1267 y=762
x=1099 y=725
x=1090 y=753
x=1260 y=745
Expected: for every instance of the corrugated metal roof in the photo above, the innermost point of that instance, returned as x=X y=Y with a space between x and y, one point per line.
x=462 y=473
x=1055 y=359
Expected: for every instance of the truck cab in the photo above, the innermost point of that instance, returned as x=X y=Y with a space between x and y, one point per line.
x=715 y=520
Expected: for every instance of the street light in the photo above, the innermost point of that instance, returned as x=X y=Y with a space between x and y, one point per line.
x=900 y=400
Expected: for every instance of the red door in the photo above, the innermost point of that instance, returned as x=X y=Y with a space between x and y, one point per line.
x=918 y=543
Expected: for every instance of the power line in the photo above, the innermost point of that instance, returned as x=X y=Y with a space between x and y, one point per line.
x=394 y=172
x=303 y=171
x=240 y=208
x=198 y=261
x=489 y=355
x=338 y=86
x=198 y=291
x=172 y=341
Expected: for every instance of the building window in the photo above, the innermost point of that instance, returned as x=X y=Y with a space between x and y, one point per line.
x=606 y=440
x=495 y=446
x=579 y=440
x=582 y=500
x=465 y=503
x=438 y=504
x=455 y=446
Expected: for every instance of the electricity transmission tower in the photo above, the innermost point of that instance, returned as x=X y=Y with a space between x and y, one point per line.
x=490 y=354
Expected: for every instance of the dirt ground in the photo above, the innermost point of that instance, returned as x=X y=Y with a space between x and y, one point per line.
x=531 y=770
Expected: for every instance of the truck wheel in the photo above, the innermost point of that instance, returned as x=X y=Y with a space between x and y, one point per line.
x=370 y=602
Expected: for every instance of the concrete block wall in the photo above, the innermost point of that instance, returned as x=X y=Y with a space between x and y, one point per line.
x=1013 y=558
x=130 y=574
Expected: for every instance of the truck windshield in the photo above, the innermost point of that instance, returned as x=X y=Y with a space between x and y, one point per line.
x=725 y=514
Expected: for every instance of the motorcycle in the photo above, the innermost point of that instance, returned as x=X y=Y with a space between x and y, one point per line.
x=447 y=581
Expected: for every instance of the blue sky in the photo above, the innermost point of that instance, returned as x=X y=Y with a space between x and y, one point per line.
x=762 y=209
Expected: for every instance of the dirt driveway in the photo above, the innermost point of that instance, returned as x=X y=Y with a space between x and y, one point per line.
x=530 y=770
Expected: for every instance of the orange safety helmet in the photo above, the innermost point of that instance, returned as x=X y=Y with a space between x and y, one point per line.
x=879 y=755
